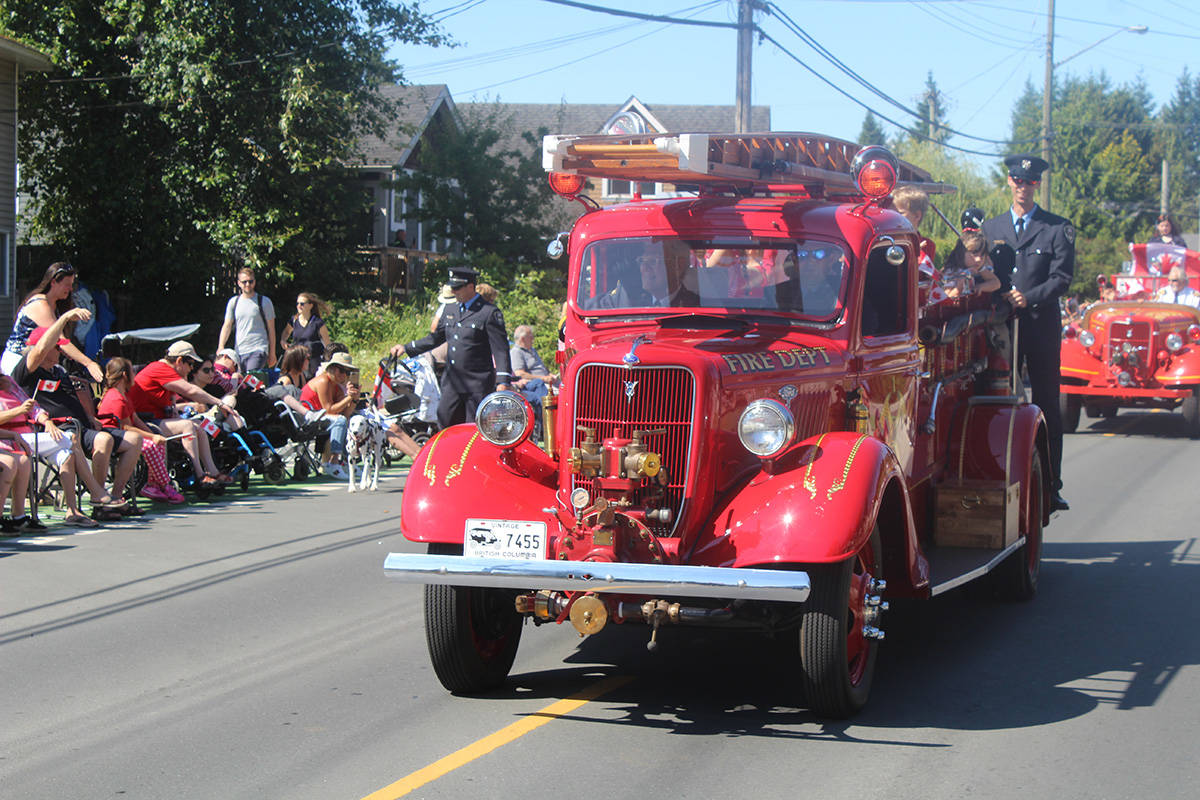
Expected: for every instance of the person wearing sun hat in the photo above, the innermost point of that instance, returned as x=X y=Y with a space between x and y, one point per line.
x=1043 y=266
x=333 y=392
x=156 y=388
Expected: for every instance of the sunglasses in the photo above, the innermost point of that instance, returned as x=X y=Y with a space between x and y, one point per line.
x=246 y=281
x=815 y=253
x=62 y=272
x=1025 y=182
x=303 y=303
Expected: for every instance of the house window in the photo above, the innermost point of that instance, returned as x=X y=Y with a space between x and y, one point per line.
x=615 y=188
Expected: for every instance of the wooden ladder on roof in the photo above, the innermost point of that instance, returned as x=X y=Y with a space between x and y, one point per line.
x=744 y=160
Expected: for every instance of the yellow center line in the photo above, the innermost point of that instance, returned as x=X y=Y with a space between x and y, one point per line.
x=487 y=744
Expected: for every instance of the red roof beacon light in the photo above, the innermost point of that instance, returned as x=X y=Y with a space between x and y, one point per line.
x=874 y=169
x=566 y=184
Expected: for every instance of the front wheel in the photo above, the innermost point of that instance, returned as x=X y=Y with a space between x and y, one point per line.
x=1069 y=407
x=472 y=634
x=837 y=655
x=1191 y=414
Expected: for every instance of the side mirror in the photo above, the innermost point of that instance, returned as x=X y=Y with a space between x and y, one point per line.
x=556 y=248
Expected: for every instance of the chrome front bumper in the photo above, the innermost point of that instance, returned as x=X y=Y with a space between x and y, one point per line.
x=656 y=580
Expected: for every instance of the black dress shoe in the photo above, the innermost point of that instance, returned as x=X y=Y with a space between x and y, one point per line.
x=1057 y=503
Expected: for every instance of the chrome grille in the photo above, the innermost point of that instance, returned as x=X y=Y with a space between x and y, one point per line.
x=1129 y=345
x=664 y=397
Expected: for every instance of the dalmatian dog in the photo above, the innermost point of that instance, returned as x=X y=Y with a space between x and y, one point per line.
x=364 y=449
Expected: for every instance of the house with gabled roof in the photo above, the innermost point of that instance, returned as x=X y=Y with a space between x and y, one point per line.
x=632 y=116
x=15 y=60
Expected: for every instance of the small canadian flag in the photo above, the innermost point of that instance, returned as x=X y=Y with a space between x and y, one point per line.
x=254 y=383
x=47 y=385
x=208 y=426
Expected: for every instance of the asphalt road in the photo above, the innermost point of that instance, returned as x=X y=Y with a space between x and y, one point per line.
x=254 y=649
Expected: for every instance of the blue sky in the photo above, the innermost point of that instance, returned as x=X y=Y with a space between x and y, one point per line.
x=981 y=53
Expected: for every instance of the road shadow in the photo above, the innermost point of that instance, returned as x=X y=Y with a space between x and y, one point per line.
x=1132 y=422
x=1111 y=626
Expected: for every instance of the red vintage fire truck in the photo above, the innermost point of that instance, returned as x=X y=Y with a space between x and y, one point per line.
x=760 y=425
x=1140 y=347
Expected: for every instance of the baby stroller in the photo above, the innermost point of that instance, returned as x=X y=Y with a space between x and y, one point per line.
x=290 y=438
x=408 y=391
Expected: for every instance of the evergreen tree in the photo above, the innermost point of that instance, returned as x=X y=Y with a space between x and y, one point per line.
x=871 y=131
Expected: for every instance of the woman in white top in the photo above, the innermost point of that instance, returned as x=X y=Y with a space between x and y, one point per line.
x=46 y=303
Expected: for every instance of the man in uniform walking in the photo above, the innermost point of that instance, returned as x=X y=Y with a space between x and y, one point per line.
x=1044 y=246
x=477 y=360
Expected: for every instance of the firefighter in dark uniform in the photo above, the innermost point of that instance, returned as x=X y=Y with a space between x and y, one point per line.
x=1043 y=265
x=477 y=361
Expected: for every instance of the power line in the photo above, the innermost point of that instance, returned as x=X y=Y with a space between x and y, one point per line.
x=855 y=100
x=696 y=9
x=542 y=46
x=804 y=36
x=648 y=17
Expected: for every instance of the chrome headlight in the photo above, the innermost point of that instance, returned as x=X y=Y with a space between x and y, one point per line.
x=1125 y=379
x=504 y=419
x=1174 y=342
x=766 y=427
x=1087 y=338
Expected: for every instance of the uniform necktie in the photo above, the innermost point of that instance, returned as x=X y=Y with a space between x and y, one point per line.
x=1176 y=300
x=1020 y=225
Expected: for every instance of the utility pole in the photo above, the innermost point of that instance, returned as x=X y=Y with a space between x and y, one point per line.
x=1047 y=98
x=745 y=43
x=1164 y=199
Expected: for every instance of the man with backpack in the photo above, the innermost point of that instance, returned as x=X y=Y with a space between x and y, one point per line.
x=251 y=318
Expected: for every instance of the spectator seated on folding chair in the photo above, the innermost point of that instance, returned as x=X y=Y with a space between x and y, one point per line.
x=155 y=389
x=57 y=449
x=39 y=373
x=15 y=466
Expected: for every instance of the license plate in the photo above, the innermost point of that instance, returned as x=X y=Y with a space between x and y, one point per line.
x=504 y=538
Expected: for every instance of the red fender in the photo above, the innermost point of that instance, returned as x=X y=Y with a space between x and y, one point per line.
x=987 y=436
x=816 y=505
x=459 y=475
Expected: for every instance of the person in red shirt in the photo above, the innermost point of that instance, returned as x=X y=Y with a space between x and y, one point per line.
x=332 y=391
x=116 y=411
x=153 y=394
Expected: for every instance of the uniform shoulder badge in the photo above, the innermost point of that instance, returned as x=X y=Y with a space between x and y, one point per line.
x=1069 y=232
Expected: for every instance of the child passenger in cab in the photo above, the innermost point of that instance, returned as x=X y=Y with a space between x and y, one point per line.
x=977 y=275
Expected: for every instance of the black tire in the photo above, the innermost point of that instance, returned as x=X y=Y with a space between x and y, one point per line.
x=273 y=469
x=1016 y=579
x=244 y=481
x=837 y=660
x=1092 y=410
x=472 y=634
x=1069 y=406
x=137 y=481
x=1191 y=414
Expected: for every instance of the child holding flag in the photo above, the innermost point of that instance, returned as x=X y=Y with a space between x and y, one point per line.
x=116 y=412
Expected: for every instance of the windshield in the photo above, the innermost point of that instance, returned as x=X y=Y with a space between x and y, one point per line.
x=800 y=277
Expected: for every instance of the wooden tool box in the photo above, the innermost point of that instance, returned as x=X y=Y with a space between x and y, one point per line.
x=978 y=513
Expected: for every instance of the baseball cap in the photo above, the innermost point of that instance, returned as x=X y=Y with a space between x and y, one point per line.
x=229 y=352
x=36 y=336
x=183 y=350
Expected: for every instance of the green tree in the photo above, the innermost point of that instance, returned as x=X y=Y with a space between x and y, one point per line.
x=180 y=140
x=871 y=131
x=483 y=185
x=1180 y=146
x=1103 y=177
x=931 y=103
